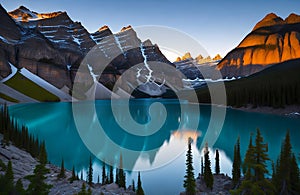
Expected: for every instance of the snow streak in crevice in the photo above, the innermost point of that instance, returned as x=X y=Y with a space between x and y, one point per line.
x=94 y=76
x=118 y=43
x=149 y=76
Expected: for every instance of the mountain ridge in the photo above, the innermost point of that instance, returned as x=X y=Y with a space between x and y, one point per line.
x=52 y=46
x=272 y=40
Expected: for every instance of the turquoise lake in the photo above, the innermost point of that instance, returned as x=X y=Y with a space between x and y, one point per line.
x=161 y=155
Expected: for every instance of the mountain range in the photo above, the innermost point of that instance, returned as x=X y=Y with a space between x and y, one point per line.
x=199 y=59
x=40 y=53
x=52 y=46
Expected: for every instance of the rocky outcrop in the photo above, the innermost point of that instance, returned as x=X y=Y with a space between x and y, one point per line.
x=199 y=58
x=196 y=68
x=187 y=56
x=122 y=51
x=217 y=57
x=104 y=31
x=23 y=164
x=272 y=40
x=222 y=185
x=57 y=27
x=270 y=19
x=10 y=34
x=11 y=31
x=178 y=59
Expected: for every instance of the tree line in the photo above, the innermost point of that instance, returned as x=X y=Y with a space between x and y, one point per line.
x=247 y=91
x=285 y=177
x=251 y=176
x=276 y=86
x=19 y=136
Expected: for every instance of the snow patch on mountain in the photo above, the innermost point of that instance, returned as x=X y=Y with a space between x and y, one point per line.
x=152 y=88
x=118 y=43
x=14 y=70
x=149 y=76
x=94 y=76
x=192 y=83
x=7 y=41
x=76 y=40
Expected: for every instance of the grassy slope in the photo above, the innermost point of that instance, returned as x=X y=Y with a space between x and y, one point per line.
x=29 y=88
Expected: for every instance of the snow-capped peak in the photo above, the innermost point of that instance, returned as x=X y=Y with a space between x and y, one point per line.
x=103 y=28
x=24 y=14
x=125 y=28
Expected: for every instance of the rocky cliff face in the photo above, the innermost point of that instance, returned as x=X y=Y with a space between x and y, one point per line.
x=10 y=34
x=127 y=50
x=272 y=40
x=193 y=68
x=52 y=46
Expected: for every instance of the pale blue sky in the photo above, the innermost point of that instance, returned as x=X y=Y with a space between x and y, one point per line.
x=218 y=25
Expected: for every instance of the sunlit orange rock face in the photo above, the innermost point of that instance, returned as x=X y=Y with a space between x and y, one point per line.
x=186 y=56
x=178 y=59
x=217 y=57
x=272 y=40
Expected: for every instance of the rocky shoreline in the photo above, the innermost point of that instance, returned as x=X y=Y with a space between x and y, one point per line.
x=222 y=185
x=290 y=111
x=23 y=164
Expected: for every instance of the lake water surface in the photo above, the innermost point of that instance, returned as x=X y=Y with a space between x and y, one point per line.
x=161 y=154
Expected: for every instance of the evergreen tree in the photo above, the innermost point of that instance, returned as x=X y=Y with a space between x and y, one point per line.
x=73 y=177
x=19 y=188
x=217 y=166
x=249 y=160
x=2 y=184
x=2 y=166
x=90 y=172
x=202 y=166
x=37 y=184
x=89 y=192
x=107 y=178
x=261 y=157
x=294 y=176
x=255 y=169
x=286 y=176
x=83 y=189
x=8 y=187
x=208 y=176
x=103 y=174
x=139 y=190
x=81 y=175
x=43 y=154
x=133 y=185
x=236 y=166
x=189 y=182
x=62 y=173
x=121 y=174
x=111 y=174
x=5 y=137
x=117 y=176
